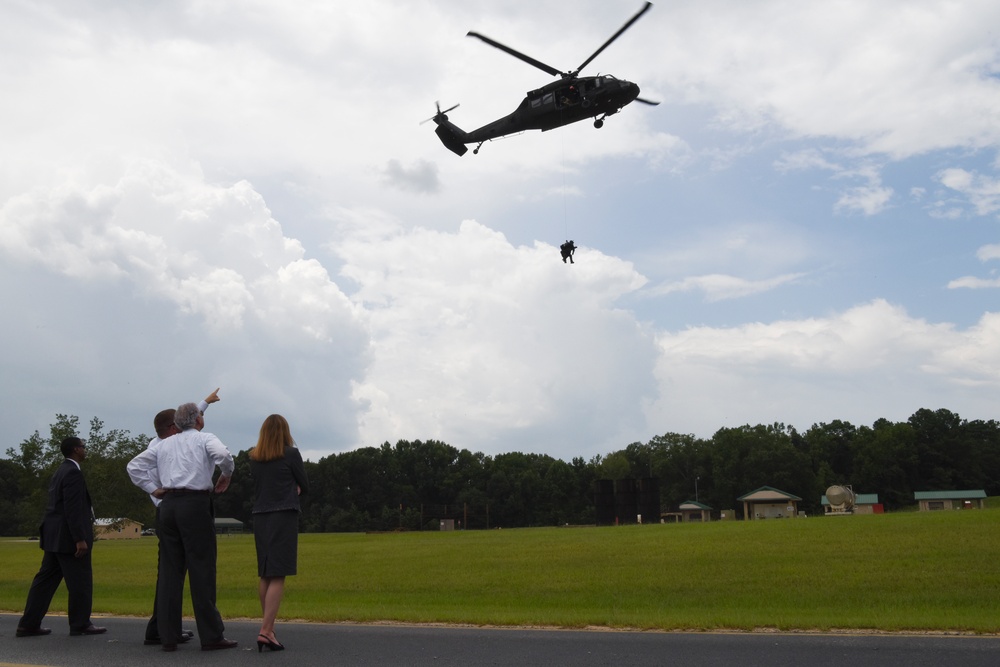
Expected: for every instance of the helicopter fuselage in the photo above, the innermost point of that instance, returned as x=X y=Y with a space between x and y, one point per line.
x=553 y=105
x=561 y=103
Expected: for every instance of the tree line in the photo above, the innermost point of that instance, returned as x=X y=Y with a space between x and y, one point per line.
x=413 y=485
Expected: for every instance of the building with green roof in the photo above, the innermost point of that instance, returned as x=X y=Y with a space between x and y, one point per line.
x=950 y=500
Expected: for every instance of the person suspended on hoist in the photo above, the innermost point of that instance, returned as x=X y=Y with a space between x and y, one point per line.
x=567 y=249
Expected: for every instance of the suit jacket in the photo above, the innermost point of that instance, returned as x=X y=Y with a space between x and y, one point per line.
x=69 y=515
x=275 y=482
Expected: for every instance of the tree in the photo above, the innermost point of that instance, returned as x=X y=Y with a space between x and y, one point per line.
x=886 y=461
x=112 y=494
x=11 y=493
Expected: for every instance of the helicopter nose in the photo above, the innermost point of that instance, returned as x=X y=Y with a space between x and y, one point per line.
x=631 y=90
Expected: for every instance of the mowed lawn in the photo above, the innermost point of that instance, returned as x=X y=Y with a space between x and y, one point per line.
x=908 y=571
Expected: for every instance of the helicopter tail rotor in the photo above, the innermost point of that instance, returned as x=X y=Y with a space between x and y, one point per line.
x=440 y=115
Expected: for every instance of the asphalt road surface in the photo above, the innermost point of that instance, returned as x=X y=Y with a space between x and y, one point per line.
x=310 y=644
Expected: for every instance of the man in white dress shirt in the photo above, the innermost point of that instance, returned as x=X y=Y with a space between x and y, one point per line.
x=178 y=470
x=163 y=424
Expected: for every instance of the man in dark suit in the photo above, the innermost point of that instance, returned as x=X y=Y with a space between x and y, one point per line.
x=67 y=536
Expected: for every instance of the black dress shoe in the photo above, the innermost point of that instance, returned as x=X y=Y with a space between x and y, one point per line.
x=89 y=630
x=32 y=632
x=222 y=643
x=186 y=636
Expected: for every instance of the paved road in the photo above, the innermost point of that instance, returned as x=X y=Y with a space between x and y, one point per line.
x=318 y=644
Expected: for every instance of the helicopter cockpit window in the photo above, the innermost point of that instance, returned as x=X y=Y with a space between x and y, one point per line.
x=547 y=98
x=536 y=102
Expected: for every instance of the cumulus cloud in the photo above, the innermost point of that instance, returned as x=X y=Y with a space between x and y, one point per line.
x=270 y=316
x=476 y=339
x=861 y=362
x=850 y=77
x=212 y=251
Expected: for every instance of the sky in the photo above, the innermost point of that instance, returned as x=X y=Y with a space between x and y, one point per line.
x=211 y=193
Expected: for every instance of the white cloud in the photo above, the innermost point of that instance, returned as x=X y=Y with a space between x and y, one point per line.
x=212 y=251
x=475 y=339
x=871 y=361
x=898 y=80
x=982 y=191
x=717 y=287
x=988 y=252
x=810 y=158
x=971 y=282
x=985 y=254
x=870 y=200
x=421 y=177
x=269 y=317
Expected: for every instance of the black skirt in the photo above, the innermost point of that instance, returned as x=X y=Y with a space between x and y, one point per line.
x=276 y=535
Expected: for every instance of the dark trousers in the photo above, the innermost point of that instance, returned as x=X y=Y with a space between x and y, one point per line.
x=152 y=627
x=79 y=584
x=186 y=529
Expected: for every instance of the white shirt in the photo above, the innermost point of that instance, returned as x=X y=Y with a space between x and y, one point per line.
x=183 y=461
x=202 y=405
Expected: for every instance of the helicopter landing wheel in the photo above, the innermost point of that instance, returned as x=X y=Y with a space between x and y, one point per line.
x=598 y=123
x=475 y=151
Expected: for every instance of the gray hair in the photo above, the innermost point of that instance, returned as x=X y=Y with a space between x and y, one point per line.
x=186 y=416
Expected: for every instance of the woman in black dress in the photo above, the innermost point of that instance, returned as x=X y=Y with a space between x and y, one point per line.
x=279 y=480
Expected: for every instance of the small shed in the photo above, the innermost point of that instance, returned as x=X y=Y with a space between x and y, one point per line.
x=768 y=502
x=117 y=529
x=864 y=503
x=950 y=500
x=692 y=510
x=225 y=526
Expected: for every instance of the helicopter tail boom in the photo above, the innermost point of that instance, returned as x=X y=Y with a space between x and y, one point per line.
x=451 y=135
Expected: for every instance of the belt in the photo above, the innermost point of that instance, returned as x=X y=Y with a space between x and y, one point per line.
x=183 y=492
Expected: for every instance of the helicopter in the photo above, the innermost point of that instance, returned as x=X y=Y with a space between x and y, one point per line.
x=570 y=99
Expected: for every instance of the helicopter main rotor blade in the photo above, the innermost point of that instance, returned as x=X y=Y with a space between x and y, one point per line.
x=517 y=54
x=615 y=36
x=645 y=101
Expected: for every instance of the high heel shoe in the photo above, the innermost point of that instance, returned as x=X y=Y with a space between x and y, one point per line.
x=271 y=645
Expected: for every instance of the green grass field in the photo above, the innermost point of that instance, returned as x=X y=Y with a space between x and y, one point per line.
x=910 y=571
